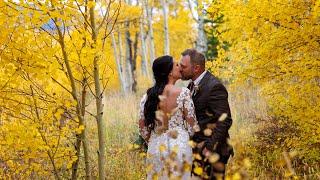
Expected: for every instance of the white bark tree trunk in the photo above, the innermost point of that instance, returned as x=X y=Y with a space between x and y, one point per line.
x=122 y=63
x=202 y=41
x=165 y=9
x=198 y=15
x=99 y=105
x=128 y=59
x=144 y=59
x=118 y=62
x=150 y=28
x=128 y=55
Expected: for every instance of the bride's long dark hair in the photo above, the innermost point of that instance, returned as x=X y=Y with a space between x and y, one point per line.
x=161 y=68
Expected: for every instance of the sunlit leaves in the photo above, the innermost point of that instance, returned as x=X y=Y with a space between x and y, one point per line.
x=273 y=45
x=223 y=117
x=80 y=129
x=37 y=110
x=198 y=171
x=207 y=132
x=214 y=157
x=162 y=148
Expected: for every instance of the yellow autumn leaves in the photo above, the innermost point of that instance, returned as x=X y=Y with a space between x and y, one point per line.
x=274 y=48
x=171 y=164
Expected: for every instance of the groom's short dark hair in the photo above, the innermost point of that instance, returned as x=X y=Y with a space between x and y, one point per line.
x=196 y=57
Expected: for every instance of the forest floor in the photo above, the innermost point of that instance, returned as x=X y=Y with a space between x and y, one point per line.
x=252 y=137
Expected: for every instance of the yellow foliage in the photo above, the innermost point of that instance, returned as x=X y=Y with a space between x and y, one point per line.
x=198 y=171
x=180 y=31
x=274 y=45
x=38 y=126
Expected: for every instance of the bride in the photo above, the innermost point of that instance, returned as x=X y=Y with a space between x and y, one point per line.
x=167 y=120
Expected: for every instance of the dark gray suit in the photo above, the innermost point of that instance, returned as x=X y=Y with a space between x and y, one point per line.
x=211 y=101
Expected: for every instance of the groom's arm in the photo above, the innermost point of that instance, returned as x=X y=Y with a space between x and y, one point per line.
x=218 y=105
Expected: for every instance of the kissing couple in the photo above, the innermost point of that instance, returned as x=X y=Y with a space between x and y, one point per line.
x=185 y=129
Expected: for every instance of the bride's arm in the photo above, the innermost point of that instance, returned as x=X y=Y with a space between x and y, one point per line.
x=143 y=130
x=189 y=114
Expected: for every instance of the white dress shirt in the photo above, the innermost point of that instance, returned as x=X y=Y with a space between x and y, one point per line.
x=197 y=81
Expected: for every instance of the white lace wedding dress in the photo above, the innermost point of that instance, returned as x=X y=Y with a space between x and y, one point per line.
x=169 y=152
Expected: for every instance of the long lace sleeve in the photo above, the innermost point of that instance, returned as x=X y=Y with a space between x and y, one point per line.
x=143 y=130
x=189 y=113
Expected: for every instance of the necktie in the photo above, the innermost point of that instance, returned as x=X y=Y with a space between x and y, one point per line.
x=191 y=87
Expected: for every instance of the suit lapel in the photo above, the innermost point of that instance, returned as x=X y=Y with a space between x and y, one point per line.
x=201 y=85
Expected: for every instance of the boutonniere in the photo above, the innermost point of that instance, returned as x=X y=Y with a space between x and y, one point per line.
x=196 y=89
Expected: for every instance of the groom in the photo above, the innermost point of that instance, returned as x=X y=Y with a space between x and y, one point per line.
x=210 y=98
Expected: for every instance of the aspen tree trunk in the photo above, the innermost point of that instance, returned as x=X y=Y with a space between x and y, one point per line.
x=80 y=138
x=74 y=94
x=144 y=60
x=128 y=59
x=122 y=64
x=165 y=9
x=134 y=63
x=131 y=52
x=98 y=97
x=202 y=42
x=129 y=55
x=118 y=62
x=129 y=67
x=198 y=16
x=75 y=164
x=150 y=29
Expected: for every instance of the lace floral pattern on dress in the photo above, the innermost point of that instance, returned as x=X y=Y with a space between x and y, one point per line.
x=182 y=121
x=142 y=128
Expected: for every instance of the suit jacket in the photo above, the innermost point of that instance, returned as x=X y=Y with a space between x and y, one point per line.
x=211 y=101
